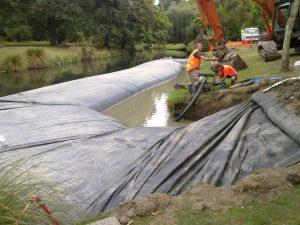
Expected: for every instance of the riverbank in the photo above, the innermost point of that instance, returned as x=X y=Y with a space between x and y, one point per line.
x=21 y=58
x=266 y=197
x=223 y=99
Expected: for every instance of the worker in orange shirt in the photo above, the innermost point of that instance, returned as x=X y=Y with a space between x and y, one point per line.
x=223 y=72
x=194 y=63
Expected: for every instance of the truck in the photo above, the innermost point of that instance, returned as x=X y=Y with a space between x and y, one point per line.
x=250 y=35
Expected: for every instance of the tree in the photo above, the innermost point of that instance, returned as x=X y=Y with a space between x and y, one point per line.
x=57 y=19
x=182 y=16
x=287 y=37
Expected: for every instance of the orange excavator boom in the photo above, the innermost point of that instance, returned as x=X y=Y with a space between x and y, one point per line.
x=211 y=18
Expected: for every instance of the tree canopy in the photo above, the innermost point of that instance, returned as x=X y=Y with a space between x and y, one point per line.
x=119 y=23
x=110 y=22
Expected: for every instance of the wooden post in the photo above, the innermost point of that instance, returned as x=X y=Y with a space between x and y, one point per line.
x=287 y=36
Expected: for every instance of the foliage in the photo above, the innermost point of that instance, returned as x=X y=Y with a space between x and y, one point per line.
x=17 y=186
x=88 y=54
x=36 y=58
x=238 y=14
x=19 y=33
x=179 y=46
x=182 y=17
x=14 y=63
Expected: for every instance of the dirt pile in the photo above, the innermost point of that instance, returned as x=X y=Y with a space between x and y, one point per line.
x=262 y=186
x=211 y=103
x=288 y=94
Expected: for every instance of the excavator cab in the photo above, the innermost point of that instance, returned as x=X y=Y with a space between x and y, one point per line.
x=280 y=17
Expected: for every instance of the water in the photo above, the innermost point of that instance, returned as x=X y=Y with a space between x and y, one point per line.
x=11 y=83
x=148 y=108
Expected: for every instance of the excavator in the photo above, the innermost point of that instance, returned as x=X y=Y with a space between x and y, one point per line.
x=276 y=12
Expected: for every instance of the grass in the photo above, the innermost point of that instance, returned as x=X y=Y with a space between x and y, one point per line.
x=4 y=43
x=97 y=218
x=41 y=57
x=17 y=186
x=36 y=58
x=181 y=96
x=179 y=47
x=256 y=68
x=283 y=209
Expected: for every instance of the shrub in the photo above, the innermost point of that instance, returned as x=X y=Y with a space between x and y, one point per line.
x=14 y=63
x=88 y=54
x=36 y=58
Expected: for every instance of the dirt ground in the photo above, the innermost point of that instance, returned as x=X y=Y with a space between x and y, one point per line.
x=289 y=95
x=262 y=186
x=211 y=103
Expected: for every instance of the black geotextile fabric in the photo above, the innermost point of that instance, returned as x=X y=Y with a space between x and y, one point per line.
x=102 y=91
x=99 y=162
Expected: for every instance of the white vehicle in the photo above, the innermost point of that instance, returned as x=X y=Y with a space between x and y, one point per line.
x=250 y=34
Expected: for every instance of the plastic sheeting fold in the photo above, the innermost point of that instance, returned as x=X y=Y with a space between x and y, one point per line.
x=101 y=162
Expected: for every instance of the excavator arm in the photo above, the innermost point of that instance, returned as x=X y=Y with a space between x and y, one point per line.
x=211 y=17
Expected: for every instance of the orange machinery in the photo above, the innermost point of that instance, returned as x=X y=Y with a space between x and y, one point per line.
x=211 y=18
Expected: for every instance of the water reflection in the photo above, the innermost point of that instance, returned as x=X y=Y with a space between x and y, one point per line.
x=11 y=83
x=148 y=108
x=161 y=114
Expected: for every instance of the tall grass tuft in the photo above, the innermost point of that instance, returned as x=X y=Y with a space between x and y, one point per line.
x=17 y=186
x=14 y=63
x=36 y=58
x=88 y=54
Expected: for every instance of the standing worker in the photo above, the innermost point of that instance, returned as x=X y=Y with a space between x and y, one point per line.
x=223 y=72
x=193 y=66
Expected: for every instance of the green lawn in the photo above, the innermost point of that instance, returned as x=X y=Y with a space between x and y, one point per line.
x=282 y=210
x=257 y=67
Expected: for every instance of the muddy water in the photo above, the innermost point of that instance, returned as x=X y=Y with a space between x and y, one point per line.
x=148 y=108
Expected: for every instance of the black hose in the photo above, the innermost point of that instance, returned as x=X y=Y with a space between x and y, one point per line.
x=191 y=103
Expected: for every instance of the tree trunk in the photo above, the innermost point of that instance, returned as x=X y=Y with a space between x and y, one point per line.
x=287 y=36
x=106 y=40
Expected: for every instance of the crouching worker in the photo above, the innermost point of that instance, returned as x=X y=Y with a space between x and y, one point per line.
x=223 y=72
x=193 y=66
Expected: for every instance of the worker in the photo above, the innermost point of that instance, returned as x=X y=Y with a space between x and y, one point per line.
x=223 y=72
x=193 y=65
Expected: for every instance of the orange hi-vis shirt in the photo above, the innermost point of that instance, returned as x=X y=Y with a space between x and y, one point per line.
x=193 y=62
x=227 y=70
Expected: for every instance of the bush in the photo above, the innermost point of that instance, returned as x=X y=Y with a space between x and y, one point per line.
x=36 y=58
x=88 y=54
x=20 y=33
x=14 y=63
x=191 y=46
